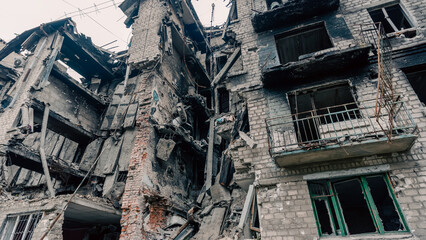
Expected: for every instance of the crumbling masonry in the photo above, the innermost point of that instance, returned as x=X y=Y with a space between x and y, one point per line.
x=294 y=120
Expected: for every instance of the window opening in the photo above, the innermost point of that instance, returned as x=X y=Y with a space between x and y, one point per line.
x=393 y=19
x=122 y=176
x=323 y=105
x=20 y=227
x=417 y=78
x=223 y=96
x=233 y=12
x=292 y=44
x=383 y=201
x=220 y=62
x=245 y=125
x=356 y=205
x=254 y=218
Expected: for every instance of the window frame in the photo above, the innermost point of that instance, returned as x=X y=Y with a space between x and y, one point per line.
x=15 y=223
x=332 y=199
x=299 y=31
x=382 y=7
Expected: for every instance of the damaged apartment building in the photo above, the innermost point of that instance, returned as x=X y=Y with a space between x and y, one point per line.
x=295 y=119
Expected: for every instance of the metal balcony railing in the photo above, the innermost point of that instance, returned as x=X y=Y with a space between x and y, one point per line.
x=337 y=125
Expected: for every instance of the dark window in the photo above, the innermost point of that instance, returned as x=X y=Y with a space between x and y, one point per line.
x=220 y=62
x=233 y=13
x=323 y=105
x=302 y=41
x=417 y=78
x=122 y=176
x=393 y=18
x=223 y=96
x=20 y=227
x=355 y=205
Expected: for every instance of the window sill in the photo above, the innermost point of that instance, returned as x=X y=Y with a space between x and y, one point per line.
x=411 y=32
x=402 y=235
x=235 y=74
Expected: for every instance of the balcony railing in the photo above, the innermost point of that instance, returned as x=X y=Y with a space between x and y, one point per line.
x=336 y=126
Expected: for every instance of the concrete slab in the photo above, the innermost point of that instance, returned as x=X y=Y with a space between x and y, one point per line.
x=165 y=148
x=210 y=226
x=86 y=211
x=126 y=149
x=89 y=156
x=335 y=152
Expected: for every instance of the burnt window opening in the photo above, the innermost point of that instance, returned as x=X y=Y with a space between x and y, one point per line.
x=309 y=39
x=393 y=19
x=272 y=4
x=122 y=176
x=355 y=205
x=321 y=105
x=20 y=227
x=417 y=77
x=223 y=97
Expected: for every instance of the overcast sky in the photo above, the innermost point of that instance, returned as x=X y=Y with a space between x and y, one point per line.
x=104 y=23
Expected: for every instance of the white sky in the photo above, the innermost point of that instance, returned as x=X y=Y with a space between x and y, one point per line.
x=17 y=16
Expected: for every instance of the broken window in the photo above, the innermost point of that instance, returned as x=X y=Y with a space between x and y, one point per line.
x=272 y=4
x=321 y=105
x=309 y=39
x=223 y=96
x=19 y=227
x=220 y=62
x=417 y=77
x=355 y=205
x=392 y=18
x=122 y=176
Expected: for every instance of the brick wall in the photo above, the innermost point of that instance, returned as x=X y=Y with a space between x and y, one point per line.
x=284 y=202
x=145 y=42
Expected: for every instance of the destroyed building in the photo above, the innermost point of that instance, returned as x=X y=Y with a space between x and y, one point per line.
x=294 y=120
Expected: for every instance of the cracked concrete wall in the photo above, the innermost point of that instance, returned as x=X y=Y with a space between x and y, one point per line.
x=6 y=120
x=70 y=104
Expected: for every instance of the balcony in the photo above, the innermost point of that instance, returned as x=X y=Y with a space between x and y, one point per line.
x=285 y=13
x=339 y=132
x=316 y=65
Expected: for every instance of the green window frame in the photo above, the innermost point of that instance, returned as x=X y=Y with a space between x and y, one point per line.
x=356 y=205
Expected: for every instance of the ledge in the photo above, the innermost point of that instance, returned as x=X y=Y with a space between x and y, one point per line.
x=316 y=66
x=31 y=160
x=290 y=12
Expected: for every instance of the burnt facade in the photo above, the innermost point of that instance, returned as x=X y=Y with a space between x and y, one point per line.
x=293 y=120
